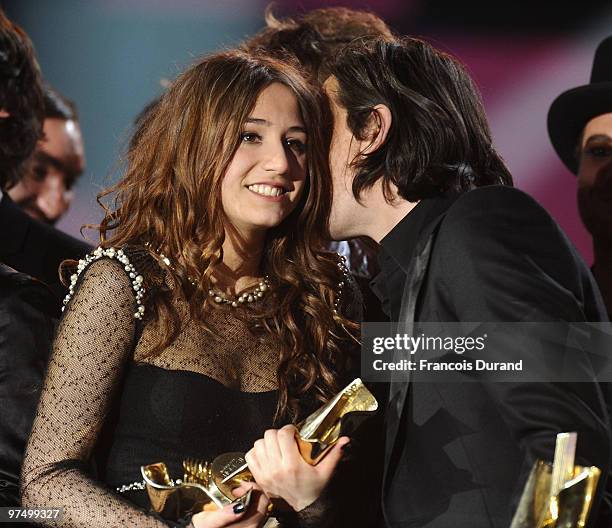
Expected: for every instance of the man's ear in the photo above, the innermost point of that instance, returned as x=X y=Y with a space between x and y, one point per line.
x=379 y=124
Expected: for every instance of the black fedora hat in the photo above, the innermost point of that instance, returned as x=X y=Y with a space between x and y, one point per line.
x=573 y=109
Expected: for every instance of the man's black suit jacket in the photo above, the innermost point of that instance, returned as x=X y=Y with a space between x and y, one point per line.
x=35 y=248
x=27 y=323
x=458 y=454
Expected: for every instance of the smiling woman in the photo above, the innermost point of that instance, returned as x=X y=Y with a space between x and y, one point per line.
x=210 y=313
x=266 y=177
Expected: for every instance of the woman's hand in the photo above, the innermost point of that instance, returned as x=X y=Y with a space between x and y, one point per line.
x=254 y=516
x=280 y=470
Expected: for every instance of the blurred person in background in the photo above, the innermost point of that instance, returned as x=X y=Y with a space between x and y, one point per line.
x=314 y=38
x=46 y=191
x=580 y=129
x=27 y=307
x=40 y=195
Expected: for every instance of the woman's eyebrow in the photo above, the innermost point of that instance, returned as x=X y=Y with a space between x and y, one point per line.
x=259 y=121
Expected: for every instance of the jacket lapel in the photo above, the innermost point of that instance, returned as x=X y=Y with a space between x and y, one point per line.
x=400 y=381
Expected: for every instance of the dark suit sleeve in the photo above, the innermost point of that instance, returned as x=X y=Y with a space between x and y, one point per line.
x=504 y=259
x=35 y=248
x=26 y=331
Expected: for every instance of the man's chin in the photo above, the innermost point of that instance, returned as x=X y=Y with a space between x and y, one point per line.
x=595 y=213
x=340 y=234
x=37 y=215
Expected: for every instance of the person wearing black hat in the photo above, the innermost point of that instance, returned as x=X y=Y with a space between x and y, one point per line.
x=580 y=129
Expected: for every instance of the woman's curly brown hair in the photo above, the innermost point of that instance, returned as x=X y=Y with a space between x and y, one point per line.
x=170 y=198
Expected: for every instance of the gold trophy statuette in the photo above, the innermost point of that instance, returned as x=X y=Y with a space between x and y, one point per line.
x=208 y=486
x=558 y=495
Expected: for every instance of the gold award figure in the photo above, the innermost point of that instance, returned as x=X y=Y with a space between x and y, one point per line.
x=207 y=486
x=558 y=495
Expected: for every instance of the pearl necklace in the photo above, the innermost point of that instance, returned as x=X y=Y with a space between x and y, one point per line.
x=219 y=297
x=245 y=297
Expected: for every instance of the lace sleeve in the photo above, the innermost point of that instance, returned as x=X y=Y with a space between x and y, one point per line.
x=93 y=344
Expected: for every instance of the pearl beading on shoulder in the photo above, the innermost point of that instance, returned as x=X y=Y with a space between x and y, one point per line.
x=120 y=256
x=346 y=276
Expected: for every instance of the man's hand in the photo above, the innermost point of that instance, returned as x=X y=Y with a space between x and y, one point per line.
x=280 y=470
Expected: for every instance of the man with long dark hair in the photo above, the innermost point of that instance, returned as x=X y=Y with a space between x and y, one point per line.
x=414 y=168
